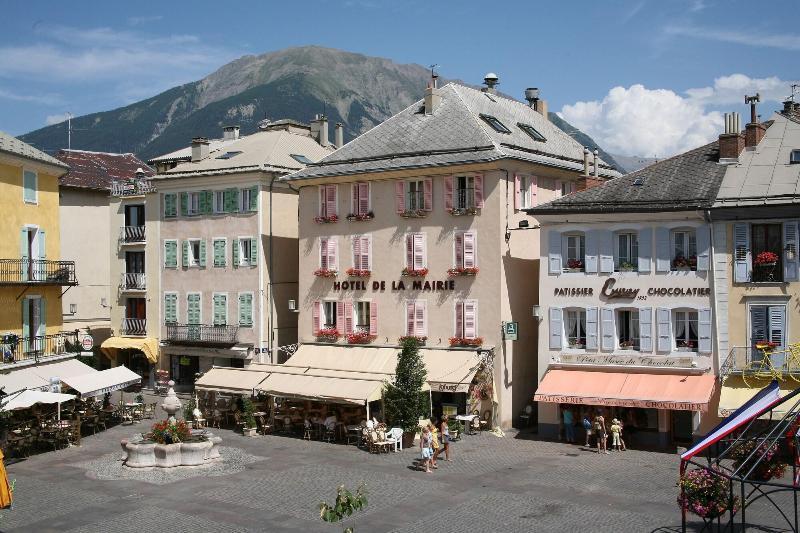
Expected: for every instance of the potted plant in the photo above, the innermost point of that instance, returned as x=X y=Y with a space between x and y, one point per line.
x=463 y=271
x=404 y=399
x=769 y=461
x=627 y=345
x=414 y=273
x=413 y=213
x=577 y=344
x=249 y=419
x=575 y=265
x=168 y=438
x=705 y=492
x=766 y=259
x=459 y=211
x=326 y=219
x=627 y=267
x=463 y=341
x=358 y=273
x=686 y=346
x=420 y=339
x=360 y=216
x=359 y=337
x=328 y=334
x=684 y=264
x=325 y=273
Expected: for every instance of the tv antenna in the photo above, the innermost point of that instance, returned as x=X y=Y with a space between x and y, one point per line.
x=70 y=129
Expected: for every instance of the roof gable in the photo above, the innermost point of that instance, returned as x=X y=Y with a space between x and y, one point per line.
x=97 y=170
x=14 y=146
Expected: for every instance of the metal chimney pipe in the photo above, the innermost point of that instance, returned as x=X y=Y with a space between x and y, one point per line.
x=585 y=162
x=596 y=169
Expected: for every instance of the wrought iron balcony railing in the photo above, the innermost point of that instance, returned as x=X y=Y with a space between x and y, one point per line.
x=131 y=234
x=198 y=334
x=134 y=327
x=749 y=361
x=133 y=187
x=133 y=281
x=37 y=272
x=17 y=349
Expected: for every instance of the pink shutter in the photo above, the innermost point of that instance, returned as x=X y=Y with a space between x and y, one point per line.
x=469 y=250
x=373 y=318
x=322 y=210
x=517 y=200
x=459 y=319
x=410 y=318
x=448 y=192
x=315 y=319
x=333 y=252
x=354 y=203
x=366 y=255
x=410 y=251
x=357 y=253
x=421 y=326
x=348 y=317
x=534 y=191
x=478 y=191
x=323 y=253
x=330 y=200
x=340 y=326
x=363 y=198
x=470 y=320
x=428 y=194
x=459 y=245
x=419 y=252
x=400 y=196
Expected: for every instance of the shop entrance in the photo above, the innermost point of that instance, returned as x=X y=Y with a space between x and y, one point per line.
x=137 y=361
x=682 y=427
x=183 y=369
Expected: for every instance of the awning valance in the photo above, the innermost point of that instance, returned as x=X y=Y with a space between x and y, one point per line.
x=231 y=380
x=654 y=391
x=98 y=383
x=735 y=393
x=38 y=377
x=147 y=345
x=27 y=398
x=450 y=370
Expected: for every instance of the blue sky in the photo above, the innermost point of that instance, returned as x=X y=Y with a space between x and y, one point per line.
x=643 y=77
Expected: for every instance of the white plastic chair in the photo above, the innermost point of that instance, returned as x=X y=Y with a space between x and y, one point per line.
x=395 y=437
x=370 y=424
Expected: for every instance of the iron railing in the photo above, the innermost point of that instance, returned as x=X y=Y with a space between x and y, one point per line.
x=131 y=234
x=132 y=187
x=202 y=334
x=133 y=281
x=464 y=199
x=767 y=273
x=752 y=361
x=136 y=327
x=16 y=348
x=37 y=271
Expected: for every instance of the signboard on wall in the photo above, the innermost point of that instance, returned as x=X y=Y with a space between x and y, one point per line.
x=627 y=360
x=510 y=330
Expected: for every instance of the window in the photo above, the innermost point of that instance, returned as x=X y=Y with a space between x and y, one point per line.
x=416 y=251
x=192 y=203
x=329 y=314
x=245 y=251
x=362 y=310
x=248 y=200
x=246 y=309
x=220 y=246
x=416 y=318
x=575 y=328
x=567 y=187
x=575 y=251
x=193 y=308
x=220 y=300
x=528 y=191
x=768 y=325
x=170 y=205
x=362 y=255
x=328 y=253
x=170 y=308
x=194 y=252
x=685 y=330
x=465 y=192
x=229 y=155
x=466 y=322
x=171 y=254
x=300 y=158
x=794 y=158
x=328 y=201
x=230 y=200
x=466 y=250
x=628 y=329
x=498 y=126
x=531 y=131
x=627 y=256
x=219 y=202
x=684 y=250
x=30 y=186
x=360 y=199
x=415 y=195
x=766 y=247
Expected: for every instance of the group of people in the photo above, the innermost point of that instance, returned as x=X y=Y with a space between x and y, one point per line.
x=595 y=428
x=431 y=446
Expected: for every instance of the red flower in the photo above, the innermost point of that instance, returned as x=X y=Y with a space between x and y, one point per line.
x=357 y=273
x=462 y=271
x=766 y=257
x=415 y=273
x=574 y=263
x=325 y=273
x=463 y=341
x=359 y=337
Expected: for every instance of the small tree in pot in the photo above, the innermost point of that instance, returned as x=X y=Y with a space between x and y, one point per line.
x=404 y=399
x=249 y=419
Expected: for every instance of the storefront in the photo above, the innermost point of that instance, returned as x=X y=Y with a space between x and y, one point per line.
x=187 y=363
x=139 y=354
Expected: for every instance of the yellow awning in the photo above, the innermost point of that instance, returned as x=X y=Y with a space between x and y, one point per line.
x=735 y=393
x=147 y=345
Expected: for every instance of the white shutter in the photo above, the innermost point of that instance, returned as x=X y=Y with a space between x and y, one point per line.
x=323 y=253
x=645 y=249
x=646 y=329
x=663 y=259
x=791 y=262
x=606 y=251
x=590 y=258
x=591 y=329
x=470 y=319
x=664 y=343
x=421 y=318
x=742 y=262
x=704 y=330
x=554 y=252
x=703 y=248
x=556 y=328
x=607 y=329
x=333 y=254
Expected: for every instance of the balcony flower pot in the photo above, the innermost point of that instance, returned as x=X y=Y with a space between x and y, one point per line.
x=328 y=335
x=420 y=340
x=461 y=341
x=414 y=273
x=353 y=217
x=705 y=492
x=461 y=211
x=418 y=213
x=326 y=220
x=358 y=273
x=167 y=455
x=463 y=271
x=627 y=267
x=577 y=346
x=360 y=338
x=194 y=453
x=325 y=273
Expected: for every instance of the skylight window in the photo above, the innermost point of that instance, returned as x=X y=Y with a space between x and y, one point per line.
x=498 y=126
x=638 y=181
x=532 y=132
x=795 y=157
x=228 y=155
x=300 y=158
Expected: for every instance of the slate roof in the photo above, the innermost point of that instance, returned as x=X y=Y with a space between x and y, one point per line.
x=686 y=181
x=96 y=170
x=14 y=146
x=185 y=153
x=453 y=134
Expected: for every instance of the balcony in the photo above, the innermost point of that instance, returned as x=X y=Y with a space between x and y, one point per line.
x=134 y=327
x=761 y=364
x=37 y=272
x=133 y=187
x=132 y=234
x=770 y=272
x=17 y=349
x=133 y=281
x=202 y=334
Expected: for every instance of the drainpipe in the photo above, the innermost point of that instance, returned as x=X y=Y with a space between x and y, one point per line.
x=716 y=363
x=271 y=300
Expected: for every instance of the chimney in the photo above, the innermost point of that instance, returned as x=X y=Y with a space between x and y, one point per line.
x=230 y=133
x=199 y=149
x=585 y=181
x=754 y=130
x=432 y=98
x=731 y=143
x=490 y=80
x=319 y=129
x=139 y=173
x=596 y=167
x=585 y=162
x=338 y=141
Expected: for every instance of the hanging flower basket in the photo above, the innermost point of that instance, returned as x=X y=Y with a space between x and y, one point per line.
x=704 y=492
x=770 y=465
x=766 y=259
x=463 y=271
x=353 y=217
x=360 y=337
x=326 y=220
x=325 y=273
x=328 y=334
x=462 y=341
x=415 y=273
x=356 y=273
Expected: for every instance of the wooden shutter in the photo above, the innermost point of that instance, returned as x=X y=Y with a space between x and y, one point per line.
x=42 y=307
x=646 y=329
x=169 y=205
x=663 y=252
x=591 y=329
x=170 y=308
x=209 y=202
x=590 y=263
x=419 y=251
x=517 y=192
x=219 y=253
x=533 y=190
x=791 y=262
x=421 y=318
x=202 y=261
x=226 y=200
x=357 y=252
x=448 y=192
x=469 y=249
x=366 y=252
x=235 y=252
x=363 y=198
x=26 y=313
x=184 y=204
x=470 y=319
x=170 y=254
x=193 y=309
x=333 y=253
x=41 y=237
x=663 y=329
x=742 y=259
x=323 y=211
x=777 y=325
x=400 y=196
x=234 y=200
x=459 y=250
x=410 y=251
x=348 y=317
x=607 y=337
x=246 y=310
x=23 y=253
x=758 y=324
x=645 y=249
x=315 y=314
x=202 y=202
x=410 y=318
x=253 y=198
x=185 y=254
x=253 y=251
x=219 y=310
x=373 y=318
x=554 y=252
x=459 y=319
x=331 y=200
x=556 y=328
x=340 y=325
x=427 y=194
x=354 y=199
x=606 y=251
x=703 y=244
x=704 y=330
x=478 y=183
x=323 y=253
x=29 y=184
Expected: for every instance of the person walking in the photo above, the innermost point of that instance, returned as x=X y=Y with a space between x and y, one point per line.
x=587 y=426
x=569 y=425
x=616 y=430
x=434 y=444
x=621 y=440
x=425 y=446
x=444 y=431
x=600 y=433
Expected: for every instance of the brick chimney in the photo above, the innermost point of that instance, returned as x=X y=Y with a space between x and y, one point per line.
x=585 y=181
x=754 y=130
x=731 y=143
x=199 y=149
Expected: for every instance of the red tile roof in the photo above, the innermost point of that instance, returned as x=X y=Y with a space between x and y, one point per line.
x=96 y=170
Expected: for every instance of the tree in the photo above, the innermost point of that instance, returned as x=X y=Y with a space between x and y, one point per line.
x=404 y=400
x=345 y=505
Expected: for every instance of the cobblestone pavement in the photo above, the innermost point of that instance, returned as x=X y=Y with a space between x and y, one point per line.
x=492 y=484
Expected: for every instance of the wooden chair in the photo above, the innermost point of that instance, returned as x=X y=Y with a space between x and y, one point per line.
x=263 y=425
x=486 y=421
x=74 y=432
x=378 y=442
x=475 y=423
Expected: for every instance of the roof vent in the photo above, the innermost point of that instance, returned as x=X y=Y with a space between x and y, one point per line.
x=490 y=80
x=532 y=95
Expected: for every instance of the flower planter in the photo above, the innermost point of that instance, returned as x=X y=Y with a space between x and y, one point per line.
x=420 y=340
x=249 y=432
x=413 y=214
x=411 y=273
x=465 y=271
x=194 y=453
x=212 y=453
x=360 y=218
x=462 y=212
x=141 y=454
x=326 y=220
x=167 y=455
x=577 y=346
x=355 y=273
x=408 y=439
x=461 y=342
x=324 y=273
x=327 y=338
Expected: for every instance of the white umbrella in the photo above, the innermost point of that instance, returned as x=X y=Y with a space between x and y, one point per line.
x=26 y=398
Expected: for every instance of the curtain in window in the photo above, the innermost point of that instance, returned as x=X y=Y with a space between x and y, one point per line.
x=572 y=326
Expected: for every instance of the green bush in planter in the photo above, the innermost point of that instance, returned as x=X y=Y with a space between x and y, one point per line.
x=248 y=409
x=404 y=400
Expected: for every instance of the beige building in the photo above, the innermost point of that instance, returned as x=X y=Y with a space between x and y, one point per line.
x=411 y=230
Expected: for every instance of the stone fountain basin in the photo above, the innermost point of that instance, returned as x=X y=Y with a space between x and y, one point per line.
x=148 y=454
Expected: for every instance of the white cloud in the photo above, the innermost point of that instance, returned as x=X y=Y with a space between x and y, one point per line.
x=784 y=41
x=56 y=119
x=638 y=121
x=44 y=99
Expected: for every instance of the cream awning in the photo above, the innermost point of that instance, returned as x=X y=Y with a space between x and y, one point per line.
x=231 y=380
x=97 y=383
x=38 y=377
x=147 y=345
x=63 y=369
x=342 y=357
x=450 y=370
x=27 y=398
x=735 y=393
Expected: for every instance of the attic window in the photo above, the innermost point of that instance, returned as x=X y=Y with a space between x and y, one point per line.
x=498 y=126
x=638 y=181
x=300 y=158
x=532 y=132
x=794 y=158
x=228 y=155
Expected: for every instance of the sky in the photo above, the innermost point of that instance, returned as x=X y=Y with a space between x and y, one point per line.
x=643 y=78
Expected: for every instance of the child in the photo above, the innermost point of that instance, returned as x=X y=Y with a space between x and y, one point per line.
x=616 y=430
x=435 y=444
x=425 y=446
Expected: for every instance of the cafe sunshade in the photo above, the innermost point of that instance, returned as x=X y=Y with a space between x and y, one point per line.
x=27 y=398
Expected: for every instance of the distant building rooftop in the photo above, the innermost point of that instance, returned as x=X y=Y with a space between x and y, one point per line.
x=97 y=170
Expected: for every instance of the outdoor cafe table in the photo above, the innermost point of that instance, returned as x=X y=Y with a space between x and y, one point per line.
x=466 y=421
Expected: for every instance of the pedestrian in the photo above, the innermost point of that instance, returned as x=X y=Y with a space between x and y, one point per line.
x=616 y=430
x=621 y=440
x=435 y=444
x=600 y=434
x=587 y=426
x=569 y=425
x=425 y=446
x=444 y=431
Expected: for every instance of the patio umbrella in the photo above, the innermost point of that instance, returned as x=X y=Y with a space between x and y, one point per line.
x=27 y=398
x=6 y=496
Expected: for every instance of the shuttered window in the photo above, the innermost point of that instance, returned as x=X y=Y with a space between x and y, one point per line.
x=220 y=301
x=249 y=199
x=362 y=252
x=170 y=205
x=219 y=252
x=170 y=308
x=360 y=202
x=246 y=309
x=416 y=251
x=193 y=310
x=463 y=192
x=30 y=186
x=768 y=324
x=466 y=249
x=575 y=328
x=171 y=254
x=414 y=196
x=328 y=253
x=417 y=318
x=328 y=200
x=526 y=190
x=245 y=251
x=219 y=202
x=574 y=250
x=231 y=200
x=627 y=251
x=466 y=319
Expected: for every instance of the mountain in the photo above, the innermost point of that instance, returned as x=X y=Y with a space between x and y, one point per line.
x=357 y=90
x=585 y=140
x=634 y=163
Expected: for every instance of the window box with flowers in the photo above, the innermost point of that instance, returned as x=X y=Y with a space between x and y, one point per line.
x=359 y=337
x=463 y=271
x=420 y=340
x=766 y=346
x=326 y=220
x=627 y=267
x=465 y=342
x=627 y=345
x=685 y=264
x=358 y=273
x=765 y=266
x=414 y=213
x=461 y=211
x=328 y=334
x=353 y=217
x=686 y=346
x=574 y=265
x=415 y=273
x=325 y=273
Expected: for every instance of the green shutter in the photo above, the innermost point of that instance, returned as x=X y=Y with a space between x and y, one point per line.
x=23 y=254
x=254 y=198
x=202 y=253
x=209 y=202
x=219 y=253
x=42 y=318
x=201 y=203
x=170 y=254
x=193 y=309
x=170 y=308
x=246 y=310
x=235 y=253
x=227 y=200
x=170 y=209
x=26 y=313
x=42 y=245
x=29 y=184
x=185 y=254
x=253 y=251
x=184 y=204
x=220 y=311
x=234 y=200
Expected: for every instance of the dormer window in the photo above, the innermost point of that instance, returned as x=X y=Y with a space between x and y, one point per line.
x=498 y=126
x=300 y=158
x=794 y=158
x=532 y=132
x=229 y=155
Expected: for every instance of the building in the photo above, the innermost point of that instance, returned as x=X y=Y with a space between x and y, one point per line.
x=626 y=319
x=33 y=274
x=84 y=193
x=220 y=257
x=411 y=230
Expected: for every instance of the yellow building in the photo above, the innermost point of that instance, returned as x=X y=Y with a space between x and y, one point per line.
x=32 y=278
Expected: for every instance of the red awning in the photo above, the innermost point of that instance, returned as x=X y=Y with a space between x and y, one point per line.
x=621 y=389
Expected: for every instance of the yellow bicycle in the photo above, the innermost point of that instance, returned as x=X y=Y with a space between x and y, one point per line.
x=757 y=371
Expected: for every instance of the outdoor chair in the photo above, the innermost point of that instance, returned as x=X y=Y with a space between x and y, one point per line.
x=526 y=415
x=263 y=425
x=74 y=432
x=395 y=437
x=137 y=413
x=378 y=442
x=102 y=419
x=475 y=423
x=237 y=419
x=486 y=421
x=150 y=411
x=90 y=421
x=125 y=415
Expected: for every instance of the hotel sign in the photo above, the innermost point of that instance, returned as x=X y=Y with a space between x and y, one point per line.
x=399 y=285
x=626 y=360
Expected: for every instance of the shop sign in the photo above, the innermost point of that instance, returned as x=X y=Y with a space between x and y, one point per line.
x=622 y=402
x=626 y=360
x=611 y=292
x=449 y=387
x=510 y=330
x=397 y=285
x=87 y=343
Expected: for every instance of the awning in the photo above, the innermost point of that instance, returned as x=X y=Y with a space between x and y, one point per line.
x=38 y=377
x=27 y=398
x=230 y=380
x=654 y=391
x=735 y=393
x=147 y=345
x=450 y=370
x=98 y=383
x=63 y=369
x=325 y=385
x=343 y=357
